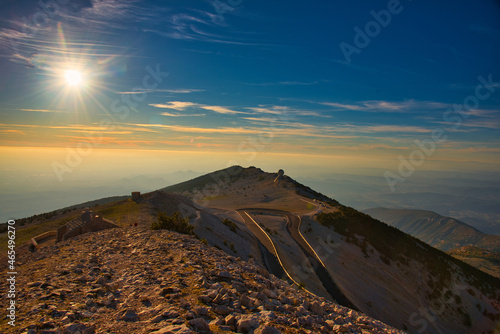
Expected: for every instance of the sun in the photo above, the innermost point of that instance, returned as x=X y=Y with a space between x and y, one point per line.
x=73 y=77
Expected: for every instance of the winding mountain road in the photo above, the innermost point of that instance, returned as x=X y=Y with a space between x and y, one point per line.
x=268 y=251
x=293 y=227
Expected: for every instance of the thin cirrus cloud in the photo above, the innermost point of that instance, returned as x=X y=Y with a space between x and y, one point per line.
x=203 y=25
x=181 y=105
x=274 y=110
x=177 y=105
x=188 y=34
x=486 y=113
x=269 y=120
x=182 y=91
x=221 y=110
x=43 y=110
x=388 y=106
x=169 y=114
x=295 y=129
x=174 y=91
x=476 y=123
x=25 y=40
x=285 y=83
x=13 y=131
x=284 y=111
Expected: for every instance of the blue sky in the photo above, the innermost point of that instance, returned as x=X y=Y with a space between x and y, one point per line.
x=235 y=67
x=250 y=78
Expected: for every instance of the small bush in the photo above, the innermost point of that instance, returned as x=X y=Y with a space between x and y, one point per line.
x=174 y=223
x=232 y=225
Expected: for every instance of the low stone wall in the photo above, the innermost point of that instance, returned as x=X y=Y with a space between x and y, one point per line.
x=73 y=233
x=39 y=238
x=60 y=233
x=96 y=224
x=86 y=223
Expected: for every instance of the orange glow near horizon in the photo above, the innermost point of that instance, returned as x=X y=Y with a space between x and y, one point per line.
x=85 y=163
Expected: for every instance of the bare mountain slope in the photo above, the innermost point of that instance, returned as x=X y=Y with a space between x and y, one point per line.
x=134 y=280
x=406 y=285
x=388 y=272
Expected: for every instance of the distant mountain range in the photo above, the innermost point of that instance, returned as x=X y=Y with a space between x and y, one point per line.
x=473 y=200
x=444 y=233
x=458 y=239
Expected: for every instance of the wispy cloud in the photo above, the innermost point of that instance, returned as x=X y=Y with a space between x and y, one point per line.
x=295 y=130
x=275 y=110
x=180 y=105
x=390 y=128
x=187 y=33
x=204 y=24
x=180 y=115
x=173 y=91
x=284 y=110
x=13 y=131
x=474 y=123
x=285 y=83
x=177 y=105
x=182 y=91
x=44 y=110
x=486 y=113
x=206 y=130
x=388 y=106
x=27 y=40
x=481 y=149
x=221 y=110
x=263 y=119
x=345 y=106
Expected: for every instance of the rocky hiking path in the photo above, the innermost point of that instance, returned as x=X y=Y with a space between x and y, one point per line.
x=134 y=280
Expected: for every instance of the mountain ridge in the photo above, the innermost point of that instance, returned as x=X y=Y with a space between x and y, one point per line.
x=444 y=233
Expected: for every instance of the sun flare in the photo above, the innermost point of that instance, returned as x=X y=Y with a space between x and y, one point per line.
x=73 y=78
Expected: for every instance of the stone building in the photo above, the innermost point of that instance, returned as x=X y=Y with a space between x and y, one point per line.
x=87 y=222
